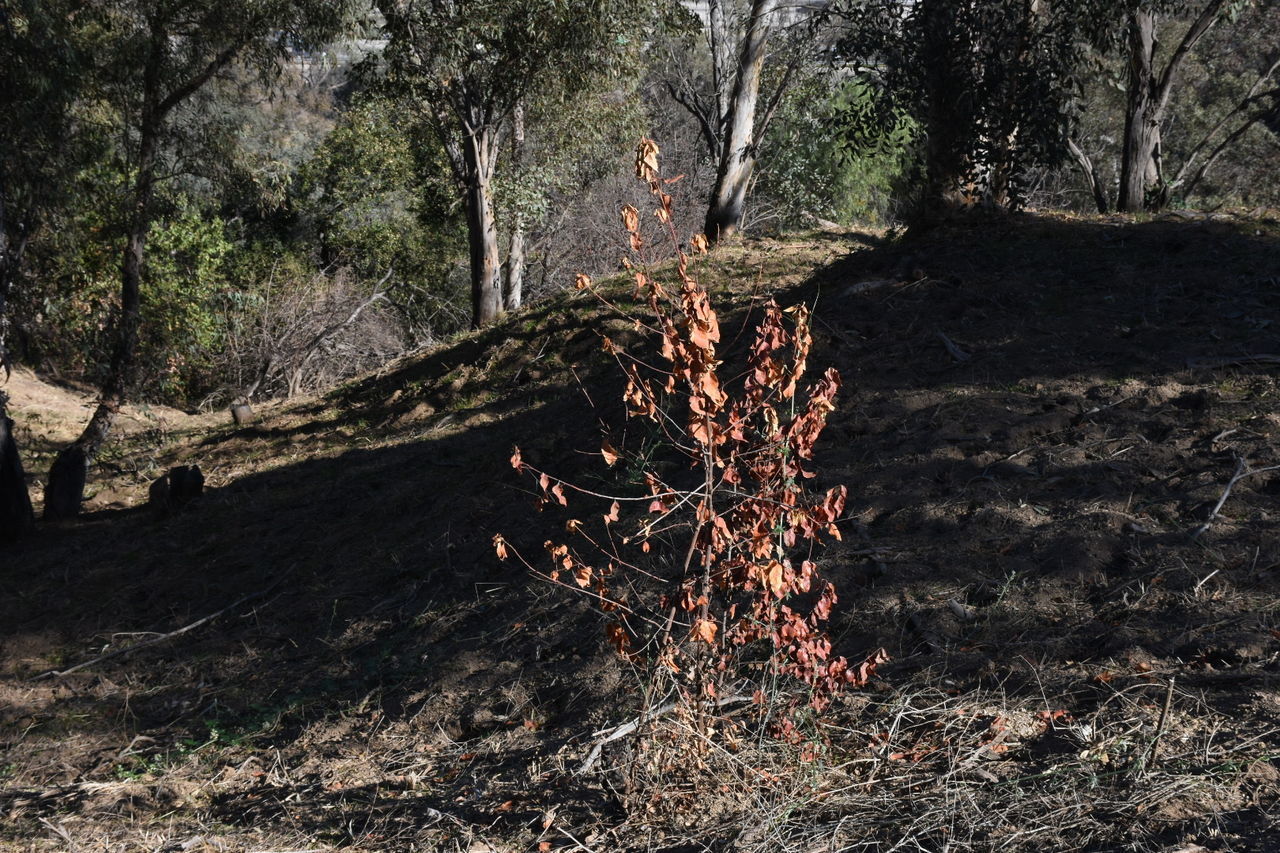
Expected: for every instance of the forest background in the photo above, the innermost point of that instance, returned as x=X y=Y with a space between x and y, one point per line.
x=204 y=205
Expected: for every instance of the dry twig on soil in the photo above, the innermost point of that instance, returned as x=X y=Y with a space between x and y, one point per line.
x=185 y=629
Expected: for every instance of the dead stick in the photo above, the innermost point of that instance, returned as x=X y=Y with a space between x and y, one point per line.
x=608 y=736
x=955 y=351
x=54 y=673
x=1242 y=470
x=1227 y=361
x=1164 y=717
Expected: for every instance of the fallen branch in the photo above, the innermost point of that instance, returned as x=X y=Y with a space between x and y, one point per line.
x=1229 y=360
x=1153 y=751
x=55 y=673
x=608 y=736
x=955 y=351
x=863 y=286
x=1242 y=470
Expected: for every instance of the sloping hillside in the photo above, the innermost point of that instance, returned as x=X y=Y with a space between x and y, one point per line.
x=1039 y=414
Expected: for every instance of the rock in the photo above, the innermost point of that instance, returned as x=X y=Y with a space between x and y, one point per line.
x=15 y=504
x=65 y=489
x=174 y=490
x=242 y=414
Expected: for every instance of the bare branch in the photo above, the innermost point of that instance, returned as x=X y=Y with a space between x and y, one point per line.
x=1205 y=22
x=1253 y=96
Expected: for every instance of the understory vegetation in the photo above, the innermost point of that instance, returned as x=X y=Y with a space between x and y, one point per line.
x=880 y=455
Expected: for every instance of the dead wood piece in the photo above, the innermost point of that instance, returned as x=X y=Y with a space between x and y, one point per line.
x=1164 y=718
x=16 y=516
x=1242 y=470
x=1231 y=360
x=953 y=350
x=65 y=489
x=177 y=488
x=185 y=629
x=608 y=736
x=961 y=611
x=242 y=414
x=863 y=286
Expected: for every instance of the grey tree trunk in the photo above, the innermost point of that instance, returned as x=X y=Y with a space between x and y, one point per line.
x=513 y=286
x=12 y=249
x=64 y=491
x=482 y=232
x=16 y=516
x=945 y=163
x=737 y=151
x=1141 y=120
x=1091 y=176
x=1150 y=90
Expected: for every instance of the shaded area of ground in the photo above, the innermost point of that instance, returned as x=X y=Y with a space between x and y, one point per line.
x=1028 y=452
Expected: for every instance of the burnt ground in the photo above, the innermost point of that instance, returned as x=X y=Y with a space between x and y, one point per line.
x=1040 y=416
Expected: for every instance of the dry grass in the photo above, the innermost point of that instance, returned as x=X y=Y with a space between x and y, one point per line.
x=1018 y=539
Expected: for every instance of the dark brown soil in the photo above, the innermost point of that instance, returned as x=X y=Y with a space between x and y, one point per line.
x=1040 y=416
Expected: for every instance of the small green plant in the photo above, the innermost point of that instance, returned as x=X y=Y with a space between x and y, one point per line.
x=714 y=588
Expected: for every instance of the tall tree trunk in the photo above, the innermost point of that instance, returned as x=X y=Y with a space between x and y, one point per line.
x=15 y=502
x=1141 y=121
x=737 y=153
x=720 y=41
x=65 y=489
x=1149 y=93
x=513 y=287
x=12 y=249
x=16 y=517
x=482 y=232
x=1004 y=166
x=945 y=163
x=1090 y=172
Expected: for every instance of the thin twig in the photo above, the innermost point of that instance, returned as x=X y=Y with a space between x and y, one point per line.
x=1242 y=470
x=608 y=736
x=59 y=830
x=1164 y=718
x=54 y=673
x=1230 y=360
x=955 y=351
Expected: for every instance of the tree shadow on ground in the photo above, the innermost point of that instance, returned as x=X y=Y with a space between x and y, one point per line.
x=1027 y=453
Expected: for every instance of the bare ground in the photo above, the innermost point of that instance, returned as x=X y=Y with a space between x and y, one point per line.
x=1041 y=416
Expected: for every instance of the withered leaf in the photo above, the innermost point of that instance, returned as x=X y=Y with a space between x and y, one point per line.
x=630 y=219
x=610 y=454
x=705 y=630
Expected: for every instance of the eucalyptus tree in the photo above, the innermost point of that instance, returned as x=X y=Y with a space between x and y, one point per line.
x=39 y=59
x=1156 y=43
x=155 y=56
x=985 y=86
x=754 y=53
x=737 y=93
x=1152 y=80
x=467 y=67
x=43 y=51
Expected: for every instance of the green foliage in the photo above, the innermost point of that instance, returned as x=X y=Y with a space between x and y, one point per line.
x=988 y=86
x=70 y=311
x=570 y=144
x=807 y=170
x=185 y=278
x=482 y=57
x=376 y=192
x=377 y=198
